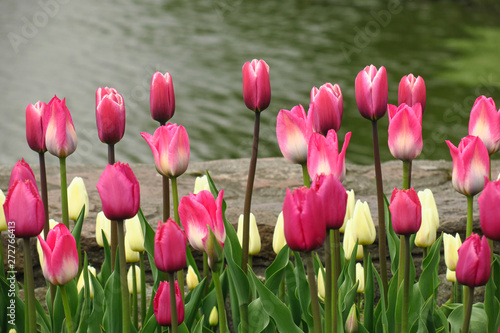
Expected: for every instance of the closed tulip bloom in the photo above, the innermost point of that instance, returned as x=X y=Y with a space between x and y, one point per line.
x=24 y=207
x=351 y=324
x=77 y=199
x=484 y=122
x=200 y=184
x=321 y=285
x=102 y=223
x=334 y=198
x=130 y=279
x=22 y=171
x=119 y=191
x=428 y=203
x=256 y=85
x=304 y=222
x=327 y=108
x=451 y=275
x=254 y=236
x=3 y=222
x=161 y=97
x=191 y=278
x=451 y=246
x=35 y=134
x=474 y=261
x=81 y=280
x=60 y=135
x=351 y=201
x=110 y=115
x=371 y=92
x=364 y=229
x=293 y=131
x=323 y=155
x=161 y=304
x=197 y=213
x=406 y=211
x=360 y=277
x=470 y=165
x=349 y=242
x=412 y=91
x=170 y=247
x=405 y=131
x=426 y=235
x=213 y=319
x=130 y=255
x=170 y=147
x=279 y=234
x=489 y=210
x=135 y=235
x=60 y=256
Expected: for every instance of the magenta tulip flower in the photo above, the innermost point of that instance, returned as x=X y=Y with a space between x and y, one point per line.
x=119 y=191
x=110 y=115
x=371 y=92
x=474 y=261
x=256 y=85
x=161 y=304
x=22 y=172
x=412 y=91
x=162 y=98
x=484 y=122
x=198 y=212
x=470 y=165
x=405 y=131
x=35 y=134
x=60 y=255
x=327 y=108
x=323 y=155
x=489 y=210
x=293 y=131
x=24 y=207
x=170 y=146
x=304 y=220
x=60 y=135
x=406 y=211
x=170 y=247
x=334 y=198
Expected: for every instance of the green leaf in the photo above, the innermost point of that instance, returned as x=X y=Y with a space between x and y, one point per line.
x=429 y=279
x=149 y=243
x=85 y=312
x=95 y=319
x=392 y=238
x=382 y=323
x=77 y=229
x=425 y=323
x=240 y=280
x=199 y=326
x=292 y=300
x=303 y=290
x=233 y=299
x=42 y=318
x=276 y=271
x=478 y=319
x=491 y=303
x=258 y=319
x=151 y=325
x=112 y=319
x=191 y=307
x=106 y=265
x=369 y=296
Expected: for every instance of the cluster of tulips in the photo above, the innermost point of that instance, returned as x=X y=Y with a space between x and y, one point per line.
x=302 y=290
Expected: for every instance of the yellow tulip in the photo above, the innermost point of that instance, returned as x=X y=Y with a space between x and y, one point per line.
x=134 y=232
x=351 y=200
x=130 y=255
x=81 y=280
x=279 y=235
x=360 y=276
x=428 y=203
x=102 y=224
x=451 y=246
x=130 y=279
x=191 y=278
x=254 y=237
x=451 y=275
x=363 y=227
x=426 y=235
x=213 y=319
x=321 y=285
x=77 y=198
x=3 y=223
x=201 y=184
x=350 y=241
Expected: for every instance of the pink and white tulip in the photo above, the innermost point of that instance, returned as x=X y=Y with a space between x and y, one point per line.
x=405 y=131
x=323 y=155
x=372 y=92
x=484 y=122
x=60 y=135
x=110 y=115
x=327 y=108
x=256 y=85
x=293 y=131
x=412 y=91
x=162 y=98
x=35 y=134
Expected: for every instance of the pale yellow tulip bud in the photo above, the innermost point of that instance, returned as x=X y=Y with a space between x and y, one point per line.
x=428 y=203
x=451 y=246
x=134 y=232
x=321 y=285
x=3 y=222
x=426 y=235
x=254 y=237
x=52 y=224
x=360 y=276
x=350 y=241
x=12 y=330
x=279 y=234
x=351 y=324
x=81 y=280
x=451 y=275
x=77 y=198
x=351 y=200
x=201 y=184
x=130 y=255
x=130 y=279
x=102 y=224
x=364 y=229
x=213 y=320
x=191 y=278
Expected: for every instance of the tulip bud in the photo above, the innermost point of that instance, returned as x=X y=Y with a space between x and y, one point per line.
x=323 y=155
x=134 y=234
x=485 y=123
x=3 y=222
x=161 y=304
x=360 y=277
x=351 y=200
x=102 y=224
x=214 y=251
x=412 y=91
x=256 y=85
x=12 y=330
x=130 y=255
x=130 y=279
x=451 y=275
x=254 y=237
x=279 y=234
x=321 y=285
x=451 y=246
x=162 y=98
x=351 y=325
x=77 y=199
x=327 y=108
x=60 y=135
x=35 y=134
x=191 y=278
x=200 y=184
x=405 y=131
x=428 y=203
x=170 y=247
x=489 y=210
x=293 y=132
x=81 y=280
x=406 y=211
x=110 y=115
x=213 y=320
x=426 y=235
x=334 y=199
x=364 y=229
x=22 y=171
x=371 y=92
x=350 y=241
x=474 y=261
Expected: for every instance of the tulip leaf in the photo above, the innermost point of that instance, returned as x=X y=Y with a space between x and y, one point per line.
x=98 y=306
x=192 y=306
x=429 y=279
x=496 y=272
x=276 y=271
x=369 y=295
x=292 y=300
x=303 y=290
x=382 y=324
x=425 y=321
x=149 y=243
x=199 y=326
x=42 y=318
x=233 y=300
x=392 y=294
x=85 y=311
x=491 y=304
x=258 y=319
x=77 y=229
x=151 y=325
x=106 y=265
x=392 y=238
x=112 y=319
x=478 y=319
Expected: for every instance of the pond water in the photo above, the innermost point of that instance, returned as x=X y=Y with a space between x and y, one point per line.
x=70 y=48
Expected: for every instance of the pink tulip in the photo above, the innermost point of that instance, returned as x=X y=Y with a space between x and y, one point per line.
x=119 y=191
x=334 y=198
x=474 y=261
x=24 y=207
x=371 y=92
x=470 y=165
x=170 y=146
x=110 y=115
x=162 y=98
x=60 y=135
x=170 y=247
x=489 y=210
x=485 y=123
x=60 y=255
x=304 y=220
x=323 y=155
x=22 y=172
x=35 y=135
x=293 y=131
x=198 y=212
x=405 y=131
x=406 y=211
x=256 y=85
x=412 y=91
x=327 y=107
x=161 y=304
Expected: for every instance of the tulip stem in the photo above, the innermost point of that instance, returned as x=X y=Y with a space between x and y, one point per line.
x=406 y=174
x=143 y=288
x=134 y=298
x=206 y=269
x=220 y=302
x=313 y=289
x=166 y=198
x=406 y=286
x=43 y=185
x=29 y=292
x=402 y=251
x=305 y=175
x=67 y=310
x=64 y=191
x=173 y=304
x=469 y=292
x=123 y=278
x=114 y=230
x=381 y=214
x=329 y=309
x=175 y=197
x=470 y=203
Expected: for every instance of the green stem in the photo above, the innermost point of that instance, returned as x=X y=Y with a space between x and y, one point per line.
x=143 y=289
x=64 y=191
x=67 y=311
x=114 y=230
x=406 y=174
x=123 y=278
x=470 y=203
x=406 y=286
x=469 y=292
x=313 y=289
x=305 y=175
x=175 y=197
x=166 y=198
x=29 y=295
x=365 y=261
x=382 y=241
x=134 y=298
x=336 y=274
x=220 y=303
x=489 y=177
x=402 y=251
x=43 y=188
x=173 y=304
x=329 y=319
x=453 y=292
x=206 y=270
x=424 y=254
